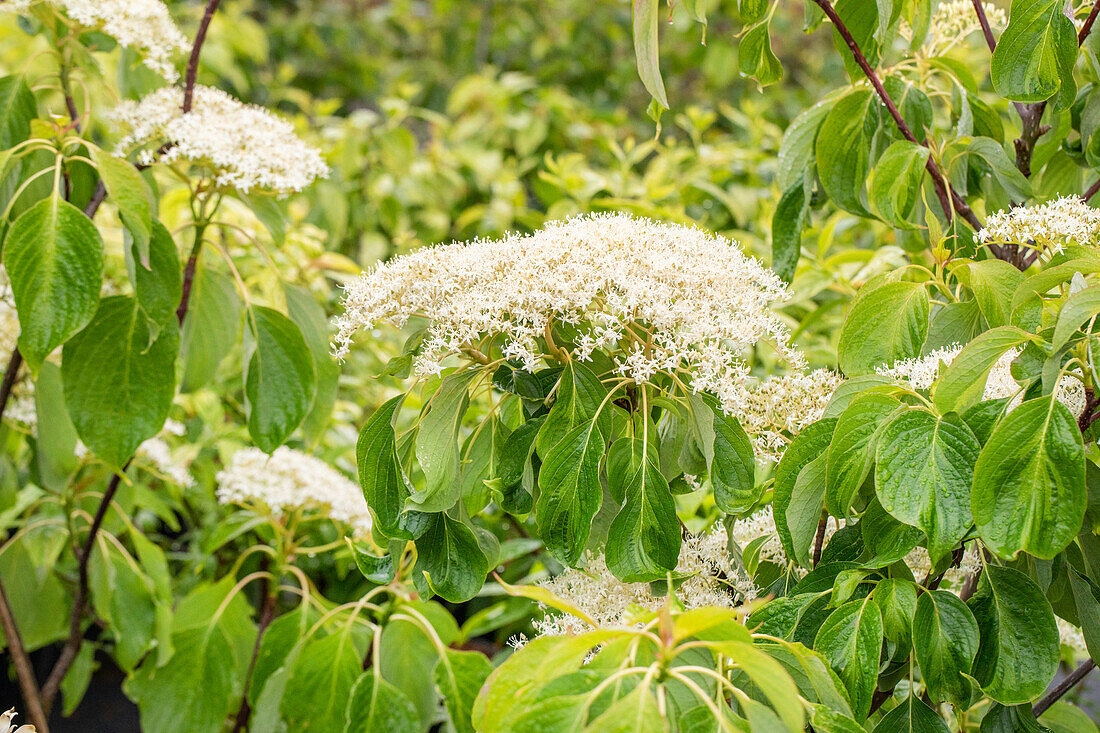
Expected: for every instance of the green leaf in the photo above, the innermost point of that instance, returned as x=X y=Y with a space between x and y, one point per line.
x=895 y=182
x=157 y=285
x=755 y=57
x=198 y=687
x=912 y=716
x=634 y=712
x=17 y=109
x=376 y=705
x=459 y=676
x=643 y=543
x=1018 y=647
x=809 y=445
x=55 y=450
x=851 y=639
x=280 y=382
x=993 y=283
x=1004 y=169
x=130 y=194
x=732 y=465
x=320 y=683
x=376 y=569
x=923 y=472
x=885 y=325
x=862 y=20
x=1062 y=717
x=570 y=492
x=897 y=599
x=843 y=149
x=1035 y=55
x=304 y=310
x=407 y=660
x=437 y=443
x=852 y=449
x=886 y=539
x=1078 y=308
x=1010 y=719
x=54 y=257
x=962 y=384
x=796 y=150
x=580 y=394
x=1029 y=483
x=381 y=476
x=787 y=225
x=210 y=329
x=449 y=556
x=752 y=11
x=945 y=641
x=118 y=381
x=646 y=14
x=123 y=597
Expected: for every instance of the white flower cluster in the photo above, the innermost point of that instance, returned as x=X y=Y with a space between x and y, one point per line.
x=158 y=453
x=920 y=564
x=713 y=582
x=921 y=372
x=1072 y=637
x=143 y=25
x=246 y=146
x=954 y=20
x=657 y=297
x=774 y=409
x=7 y=723
x=289 y=480
x=761 y=526
x=1050 y=226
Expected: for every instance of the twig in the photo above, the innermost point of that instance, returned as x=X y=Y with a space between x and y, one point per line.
x=819 y=538
x=23 y=669
x=267 y=614
x=970 y=585
x=11 y=376
x=1084 y=32
x=76 y=631
x=1091 y=191
x=949 y=200
x=1065 y=685
x=983 y=21
x=196 y=51
x=189 y=274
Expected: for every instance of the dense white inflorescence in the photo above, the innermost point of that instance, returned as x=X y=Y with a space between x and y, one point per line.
x=1050 y=226
x=247 y=147
x=658 y=297
x=953 y=21
x=143 y=25
x=289 y=480
x=920 y=564
x=608 y=601
x=773 y=409
x=921 y=372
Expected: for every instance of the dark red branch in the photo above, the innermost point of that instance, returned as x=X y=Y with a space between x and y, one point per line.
x=1084 y=32
x=949 y=200
x=76 y=621
x=983 y=21
x=196 y=51
x=1071 y=681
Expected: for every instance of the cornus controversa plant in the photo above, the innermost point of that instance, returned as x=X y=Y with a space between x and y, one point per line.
x=959 y=449
x=104 y=325
x=603 y=346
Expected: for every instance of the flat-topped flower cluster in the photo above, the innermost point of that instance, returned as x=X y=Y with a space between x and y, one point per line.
x=143 y=25
x=712 y=581
x=289 y=480
x=246 y=147
x=655 y=297
x=1048 y=226
x=954 y=20
x=921 y=372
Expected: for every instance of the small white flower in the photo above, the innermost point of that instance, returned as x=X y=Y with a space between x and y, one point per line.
x=246 y=146
x=7 y=723
x=954 y=20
